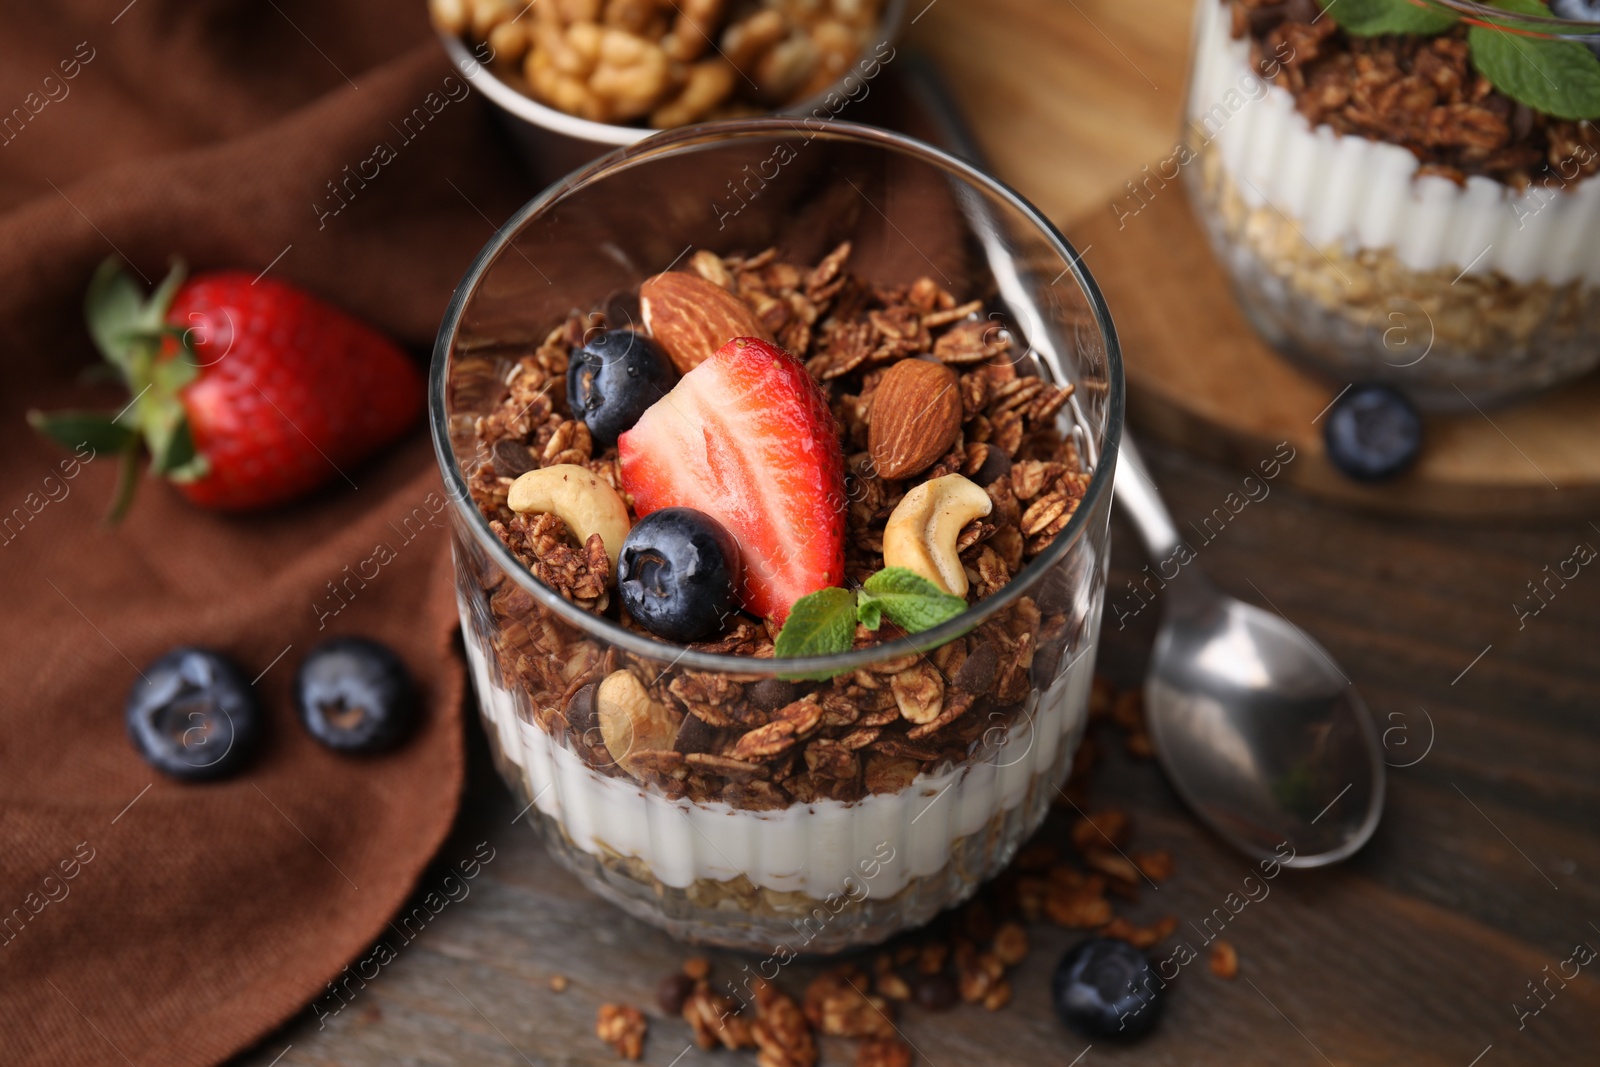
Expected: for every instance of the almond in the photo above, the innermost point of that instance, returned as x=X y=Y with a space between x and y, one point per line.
x=916 y=414
x=690 y=318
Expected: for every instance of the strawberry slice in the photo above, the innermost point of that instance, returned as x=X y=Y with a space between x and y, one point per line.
x=747 y=437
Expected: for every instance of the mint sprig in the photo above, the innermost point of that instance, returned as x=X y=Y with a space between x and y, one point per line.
x=1553 y=76
x=824 y=623
x=1376 y=18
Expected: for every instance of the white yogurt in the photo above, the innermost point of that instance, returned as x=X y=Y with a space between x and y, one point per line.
x=1352 y=193
x=805 y=847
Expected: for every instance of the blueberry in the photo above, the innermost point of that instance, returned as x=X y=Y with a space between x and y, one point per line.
x=1105 y=988
x=677 y=573
x=1373 y=432
x=193 y=715
x=613 y=378
x=354 y=695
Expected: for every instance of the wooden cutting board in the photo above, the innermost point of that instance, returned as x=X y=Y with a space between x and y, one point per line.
x=1201 y=379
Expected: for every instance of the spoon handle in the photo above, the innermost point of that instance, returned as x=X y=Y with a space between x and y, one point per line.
x=1136 y=492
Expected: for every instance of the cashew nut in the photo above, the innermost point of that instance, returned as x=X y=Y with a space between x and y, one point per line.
x=630 y=722
x=921 y=532
x=578 y=497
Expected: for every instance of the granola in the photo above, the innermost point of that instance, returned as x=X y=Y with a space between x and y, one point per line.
x=756 y=743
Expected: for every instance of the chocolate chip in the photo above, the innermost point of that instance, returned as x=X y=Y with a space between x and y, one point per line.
x=976 y=673
x=770 y=694
x=1521 y=122
x=695 y=735
x=1264 y=19
x=582 y=713
x=936 y=992
x=512 y=460
x=672 y=992
x=1055 y=592
x=996 y=464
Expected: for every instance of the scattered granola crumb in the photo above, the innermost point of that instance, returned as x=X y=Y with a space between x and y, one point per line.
x=883 y=1052
x=697 y=968
x=780 y=1031
x=622 y=1027
x=558 y=983
x=1140 y=936
x=1224 y=960
x=1100 y=830
x=998 y=996
x=1011 y=943
x=836 y=1005
x=1156 y=865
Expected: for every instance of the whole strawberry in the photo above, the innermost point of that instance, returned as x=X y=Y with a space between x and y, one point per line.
x=247 y=392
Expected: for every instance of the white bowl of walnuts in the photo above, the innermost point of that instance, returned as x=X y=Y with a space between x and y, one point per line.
x=611 y=72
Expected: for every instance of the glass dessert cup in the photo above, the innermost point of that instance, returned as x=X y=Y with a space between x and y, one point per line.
x=814 y=864
x=1353 y=260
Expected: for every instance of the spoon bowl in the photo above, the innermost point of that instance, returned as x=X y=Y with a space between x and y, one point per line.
x=1260 y=731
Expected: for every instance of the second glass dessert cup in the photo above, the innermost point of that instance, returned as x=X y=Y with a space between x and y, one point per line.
x=785 y=854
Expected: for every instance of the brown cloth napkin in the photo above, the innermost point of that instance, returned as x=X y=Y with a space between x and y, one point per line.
x=142 y=920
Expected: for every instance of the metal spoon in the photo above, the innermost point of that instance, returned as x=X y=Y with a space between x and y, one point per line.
x=1257 y=727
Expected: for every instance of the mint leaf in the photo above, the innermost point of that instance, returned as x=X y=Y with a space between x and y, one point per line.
x=1374 y=18
x=1559 y=78
x=911 y=601
x=819 y=624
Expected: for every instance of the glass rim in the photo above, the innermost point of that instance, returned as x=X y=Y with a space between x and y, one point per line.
x=687 y=138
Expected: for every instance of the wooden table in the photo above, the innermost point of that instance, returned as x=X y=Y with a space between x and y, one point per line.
x=1481 y=880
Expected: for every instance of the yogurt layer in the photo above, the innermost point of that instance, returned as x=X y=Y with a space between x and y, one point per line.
x=1354 y=193
x=811 y=848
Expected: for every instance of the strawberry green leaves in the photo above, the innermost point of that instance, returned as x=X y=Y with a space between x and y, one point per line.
x=155 y=362
x=824 y=623
x=1374 y=18
x=1527 y=61
x=1559 y=78
x=69 y=429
